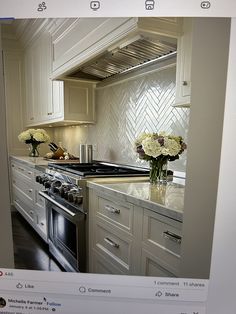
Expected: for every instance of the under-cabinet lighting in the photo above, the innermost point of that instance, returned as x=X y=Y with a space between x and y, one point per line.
x=186 y=105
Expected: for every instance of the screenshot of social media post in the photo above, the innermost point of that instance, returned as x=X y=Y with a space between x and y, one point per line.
x=113 y=136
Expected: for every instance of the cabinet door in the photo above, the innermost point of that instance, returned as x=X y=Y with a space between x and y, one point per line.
x=38 y=85
x=45 y=83
x=57 y=100
x=79 y=101
x=29 y=96
x=183 y=70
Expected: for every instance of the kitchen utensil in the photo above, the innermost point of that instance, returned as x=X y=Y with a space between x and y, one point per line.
x=82 y=153
x=53 y=147
x=58 y=153
x=88 y=153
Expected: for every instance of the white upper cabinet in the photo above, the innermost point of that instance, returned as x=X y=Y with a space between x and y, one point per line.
x=50 y=102
x=38 y=85
x=60 y=49
x=183 y=69
x=72 y=103
x=77 y=41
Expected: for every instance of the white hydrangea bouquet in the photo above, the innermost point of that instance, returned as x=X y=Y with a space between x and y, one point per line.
x=158 y=149
x=34 y=137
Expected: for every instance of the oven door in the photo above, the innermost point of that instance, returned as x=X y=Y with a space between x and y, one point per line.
x=66 y=235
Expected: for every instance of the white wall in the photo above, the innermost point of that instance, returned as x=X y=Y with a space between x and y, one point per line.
x=222 y=287
x=209 y=73
x=6 y=244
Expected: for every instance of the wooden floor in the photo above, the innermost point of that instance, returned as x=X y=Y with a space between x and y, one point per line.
x=30 y=251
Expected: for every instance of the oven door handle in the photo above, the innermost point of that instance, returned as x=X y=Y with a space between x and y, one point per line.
x=50 y=199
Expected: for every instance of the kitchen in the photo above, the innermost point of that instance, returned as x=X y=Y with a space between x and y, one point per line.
x=117 y=100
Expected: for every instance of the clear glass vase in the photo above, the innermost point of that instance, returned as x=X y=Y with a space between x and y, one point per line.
x=34 y=150
x=158 y=171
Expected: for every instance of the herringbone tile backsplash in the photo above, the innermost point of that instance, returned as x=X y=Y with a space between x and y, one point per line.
x=124 y=111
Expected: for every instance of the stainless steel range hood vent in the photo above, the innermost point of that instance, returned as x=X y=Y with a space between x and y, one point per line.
x=138 y=51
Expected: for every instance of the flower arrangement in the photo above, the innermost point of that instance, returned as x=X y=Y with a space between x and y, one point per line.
x=158 y=149
x=34 y=137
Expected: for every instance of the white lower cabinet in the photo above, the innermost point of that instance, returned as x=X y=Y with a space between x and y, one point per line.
x=111 y=233
x=100 y=265
x=131 y=240
x=161 y=243
x=26 y=199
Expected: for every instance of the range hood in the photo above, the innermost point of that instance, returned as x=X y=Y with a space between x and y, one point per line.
x=134 y=53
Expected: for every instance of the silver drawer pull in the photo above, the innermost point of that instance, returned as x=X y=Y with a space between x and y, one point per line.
x=41 y=223
x=112 y=243
x=172 y=236
x=49 y=113
x=31 y=212
x=30 y=190
x=112 y=209
x=29 y=172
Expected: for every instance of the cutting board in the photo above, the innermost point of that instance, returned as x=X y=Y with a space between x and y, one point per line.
x=63 y=161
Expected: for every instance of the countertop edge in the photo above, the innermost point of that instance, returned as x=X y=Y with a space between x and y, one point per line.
x=31 y=162
x=155 y=207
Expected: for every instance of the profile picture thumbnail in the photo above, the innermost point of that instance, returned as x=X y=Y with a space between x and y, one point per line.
x=2 y=302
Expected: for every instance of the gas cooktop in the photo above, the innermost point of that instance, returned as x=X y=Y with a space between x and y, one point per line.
x=99 y=169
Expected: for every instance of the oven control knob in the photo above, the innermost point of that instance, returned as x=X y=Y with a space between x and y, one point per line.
x=78 y=199
x=66 y=194
x=56 y=186
x=37 y=179
x=71 y=197
x=43 y=179
x=47 y=184
x=62 y=191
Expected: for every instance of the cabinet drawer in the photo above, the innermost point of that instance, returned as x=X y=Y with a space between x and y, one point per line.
x=162 y=232
x=39 y=200
x=100 y=265
x=22 y=170
x=152 y=266
x=24 y=186
x=22 y=205
x=117 y=213
x=113 y=245
x=41 y=220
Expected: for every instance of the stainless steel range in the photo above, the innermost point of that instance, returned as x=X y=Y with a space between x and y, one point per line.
x=67 y=206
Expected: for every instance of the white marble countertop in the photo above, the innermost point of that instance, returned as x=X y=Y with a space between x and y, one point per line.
x=167 y=200
x=30 y=161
